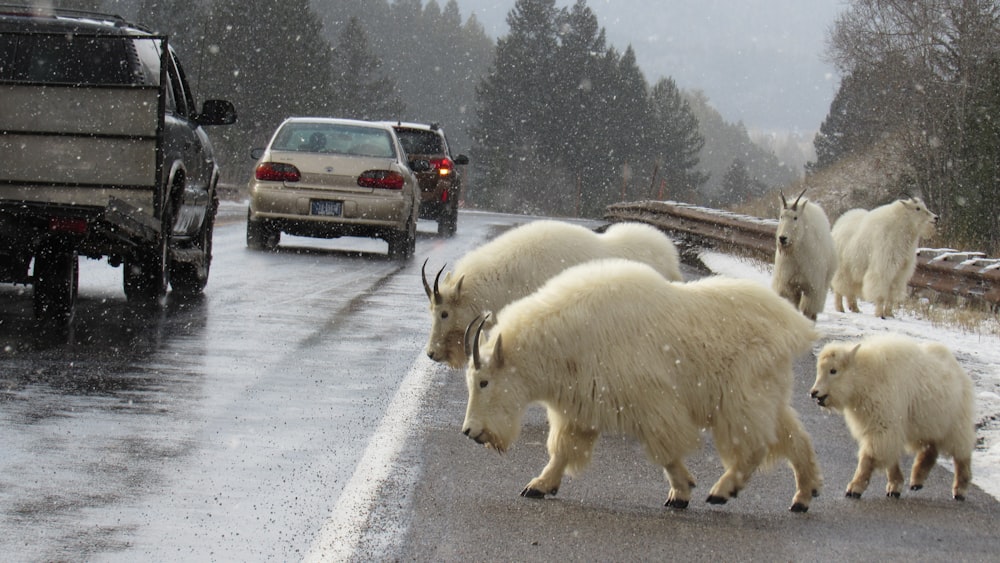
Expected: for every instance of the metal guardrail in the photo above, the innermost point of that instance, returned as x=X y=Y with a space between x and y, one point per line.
x=966 y=276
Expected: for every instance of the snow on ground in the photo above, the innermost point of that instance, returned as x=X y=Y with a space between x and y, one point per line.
x=979 y=354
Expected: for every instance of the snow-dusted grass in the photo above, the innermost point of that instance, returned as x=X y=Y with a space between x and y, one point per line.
x=976 y=344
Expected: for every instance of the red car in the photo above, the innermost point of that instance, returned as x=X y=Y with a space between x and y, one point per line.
x=441 y=186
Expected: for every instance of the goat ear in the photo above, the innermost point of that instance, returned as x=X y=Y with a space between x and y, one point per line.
x=497 y=359
x=458 y=286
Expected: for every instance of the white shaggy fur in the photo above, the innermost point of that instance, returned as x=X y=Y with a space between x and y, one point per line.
x=611 y=346
x=878 y=253
x=899 y=394
x=519 y=262
x=805 y=258
x=843 y=285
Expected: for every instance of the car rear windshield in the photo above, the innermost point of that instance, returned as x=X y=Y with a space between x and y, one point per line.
x=416 y=141
x=334 y=138
x=65 y=58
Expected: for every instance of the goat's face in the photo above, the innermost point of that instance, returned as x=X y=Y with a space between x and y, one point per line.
x=790 y=223
x=922 y=217
x=448 y=320
x=833 y=387
x=497 y=399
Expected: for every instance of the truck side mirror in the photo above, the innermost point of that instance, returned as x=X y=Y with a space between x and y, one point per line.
x=461 y=159
x=217 y=112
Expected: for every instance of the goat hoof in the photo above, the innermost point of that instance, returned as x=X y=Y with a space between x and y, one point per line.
x=676 y=503
x=852 y=494
x=815 y=493
x=799 y=507
x=960 y=497
x=916 y=487
x=529 y=492
x=892 y=494
x=713 y=499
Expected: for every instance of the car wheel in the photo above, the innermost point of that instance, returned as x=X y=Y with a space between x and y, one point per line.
x=260 y=236
x=56 y=281
x=146 y=275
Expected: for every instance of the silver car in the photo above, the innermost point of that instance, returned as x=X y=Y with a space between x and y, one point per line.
x=328 y=178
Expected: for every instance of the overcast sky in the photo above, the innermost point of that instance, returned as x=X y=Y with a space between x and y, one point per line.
x=758 y=61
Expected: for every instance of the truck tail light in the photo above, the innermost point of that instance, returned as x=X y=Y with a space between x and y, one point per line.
x=382 y=179
x=444 y=166
x=73 y=225
x=276 y=172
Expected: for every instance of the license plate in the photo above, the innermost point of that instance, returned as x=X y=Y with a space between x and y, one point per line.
x=327 y=208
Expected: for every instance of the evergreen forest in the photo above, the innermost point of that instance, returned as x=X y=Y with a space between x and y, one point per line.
x=556 y=120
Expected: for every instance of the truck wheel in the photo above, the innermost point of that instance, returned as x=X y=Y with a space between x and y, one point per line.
x=57 y=279
x=448 y=223
x=146 y=276
x=403 y=244
x=190 y=278
x=260 y=236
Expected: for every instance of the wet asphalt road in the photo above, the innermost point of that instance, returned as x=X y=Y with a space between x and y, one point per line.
x=238 y=426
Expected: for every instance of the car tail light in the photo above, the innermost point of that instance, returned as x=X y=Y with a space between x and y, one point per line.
x=277 y=172
x=384 y=179
x=68 y=225
x=444 y=166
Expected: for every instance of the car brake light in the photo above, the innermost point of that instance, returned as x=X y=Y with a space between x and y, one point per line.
x=277 y=172
x=384 y=179
x=444 y=166
x=68 y=225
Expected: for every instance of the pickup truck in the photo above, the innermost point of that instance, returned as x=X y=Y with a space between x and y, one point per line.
x=104 y=156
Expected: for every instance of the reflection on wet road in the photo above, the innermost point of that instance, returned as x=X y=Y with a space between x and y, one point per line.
x=223 y=427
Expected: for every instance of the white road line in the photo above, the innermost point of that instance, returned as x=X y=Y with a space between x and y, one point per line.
x=348 y=527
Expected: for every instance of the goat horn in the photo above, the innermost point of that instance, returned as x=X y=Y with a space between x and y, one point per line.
x=784 y=203
x=437 y=294
x=423 y=277
x=465 y=340
x=796 y=204
x=476 y=361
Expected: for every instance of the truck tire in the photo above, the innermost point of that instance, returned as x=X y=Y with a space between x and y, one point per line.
x=403 y=244
x=189 y=278
x=56 y=281
x=146 y=276
x=448 y=222
x=260 y=236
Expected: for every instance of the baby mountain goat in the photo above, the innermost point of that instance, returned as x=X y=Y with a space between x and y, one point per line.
x=898 y=394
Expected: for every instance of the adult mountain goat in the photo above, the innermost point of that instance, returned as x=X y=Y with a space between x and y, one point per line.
x=899 y=394
x=611 y=346
x=805 y=259
x=519 y=262
x=878 y=253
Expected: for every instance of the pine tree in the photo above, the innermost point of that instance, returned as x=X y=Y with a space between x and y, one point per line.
x=676 y=139
x=358 y=90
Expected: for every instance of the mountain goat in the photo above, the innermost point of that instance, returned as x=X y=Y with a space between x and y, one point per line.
x=519 y=262
x=844 y=287
x=611 y=346
x=879 y=253
x=898 y=394
x=805 y=258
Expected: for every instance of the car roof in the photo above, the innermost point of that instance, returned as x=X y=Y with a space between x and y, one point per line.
x=340 y=121
x=60 y=19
